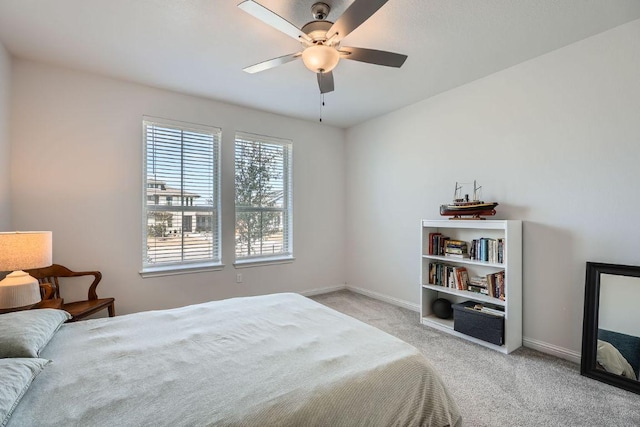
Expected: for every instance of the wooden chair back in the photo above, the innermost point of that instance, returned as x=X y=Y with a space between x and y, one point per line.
x=52 y=274
x=49 y=279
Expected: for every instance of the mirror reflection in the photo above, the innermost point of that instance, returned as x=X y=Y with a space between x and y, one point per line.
x=618 y=347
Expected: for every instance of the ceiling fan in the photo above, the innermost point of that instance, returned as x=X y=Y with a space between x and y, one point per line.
x=320 y=39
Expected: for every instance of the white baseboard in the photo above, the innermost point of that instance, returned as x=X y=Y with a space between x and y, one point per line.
x=551 y=349
x=385 y=298
x=319 y=291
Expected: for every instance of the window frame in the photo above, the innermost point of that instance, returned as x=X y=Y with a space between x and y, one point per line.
x=183 y=267
x=287 y=210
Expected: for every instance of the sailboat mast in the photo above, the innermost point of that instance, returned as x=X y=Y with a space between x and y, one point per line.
x=475 y=191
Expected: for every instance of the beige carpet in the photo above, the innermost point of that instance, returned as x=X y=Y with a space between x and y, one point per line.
x=525 y=388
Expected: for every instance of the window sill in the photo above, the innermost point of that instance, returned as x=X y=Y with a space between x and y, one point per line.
x=173 y=270
x=259 y=262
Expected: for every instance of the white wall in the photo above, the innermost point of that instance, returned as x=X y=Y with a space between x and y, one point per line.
x=77 y=138
x=5 y=151
x=555 y=140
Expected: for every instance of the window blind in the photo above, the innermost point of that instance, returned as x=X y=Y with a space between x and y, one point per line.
x=263 y=197
x=181 y=214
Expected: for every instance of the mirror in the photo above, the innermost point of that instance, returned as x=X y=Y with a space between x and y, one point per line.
x=611 y=325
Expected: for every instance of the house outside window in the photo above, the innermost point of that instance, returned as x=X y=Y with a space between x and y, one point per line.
x=181 y=180
x=263 y=199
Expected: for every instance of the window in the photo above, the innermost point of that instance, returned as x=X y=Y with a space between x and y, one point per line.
x=186 y=223
x=181 y=180
x=264 y=208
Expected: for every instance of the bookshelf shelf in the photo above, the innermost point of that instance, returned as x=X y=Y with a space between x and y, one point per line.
x=464 y=261
x=466 y=294
x=446 y=325
x=442 y=324
x=510 y=232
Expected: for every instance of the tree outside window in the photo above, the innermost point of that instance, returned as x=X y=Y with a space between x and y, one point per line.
x=263 y=197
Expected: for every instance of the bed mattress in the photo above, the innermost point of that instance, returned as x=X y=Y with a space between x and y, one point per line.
x=274 y=360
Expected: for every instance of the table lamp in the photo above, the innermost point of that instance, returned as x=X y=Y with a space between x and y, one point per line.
x=22 y=250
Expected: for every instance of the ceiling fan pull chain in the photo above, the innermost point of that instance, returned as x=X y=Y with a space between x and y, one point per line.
x=321 y=95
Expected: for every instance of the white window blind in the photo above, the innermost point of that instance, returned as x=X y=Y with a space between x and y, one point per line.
x=181 y=208
x=264 y=201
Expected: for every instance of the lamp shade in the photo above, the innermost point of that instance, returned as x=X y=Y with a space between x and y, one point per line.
x=22 y=250
x=320 y=58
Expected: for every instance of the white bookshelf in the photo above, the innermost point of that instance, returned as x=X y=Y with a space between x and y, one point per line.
x=468 y=230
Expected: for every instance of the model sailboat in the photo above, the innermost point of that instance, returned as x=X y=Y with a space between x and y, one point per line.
x=464 y=206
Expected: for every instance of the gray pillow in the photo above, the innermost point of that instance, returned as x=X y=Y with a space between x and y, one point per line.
x=16 y=375
x=26 y=333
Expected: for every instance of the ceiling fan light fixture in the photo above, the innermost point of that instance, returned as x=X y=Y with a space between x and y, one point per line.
x=320 y=58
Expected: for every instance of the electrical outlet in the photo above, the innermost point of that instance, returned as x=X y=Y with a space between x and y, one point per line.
x=239 y=278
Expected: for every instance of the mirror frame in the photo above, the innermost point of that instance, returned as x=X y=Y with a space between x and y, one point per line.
x=590 y=324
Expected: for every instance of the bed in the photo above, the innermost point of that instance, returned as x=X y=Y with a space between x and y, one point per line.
x=619 y=353
x=281 y=360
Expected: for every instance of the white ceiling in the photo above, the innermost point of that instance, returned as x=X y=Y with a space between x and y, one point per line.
x=199 y=47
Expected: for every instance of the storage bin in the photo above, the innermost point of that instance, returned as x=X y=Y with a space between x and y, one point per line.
x=484 y=326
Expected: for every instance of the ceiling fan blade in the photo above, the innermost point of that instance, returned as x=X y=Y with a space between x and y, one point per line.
x=356 y=14
x=273 y=19
x=372 y=56
x=325 y=82
x=271 y=63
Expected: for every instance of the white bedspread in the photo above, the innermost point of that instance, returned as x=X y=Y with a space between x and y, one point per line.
x=275 y=360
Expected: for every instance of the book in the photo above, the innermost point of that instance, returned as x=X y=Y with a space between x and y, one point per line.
x=491 y=284
x=437 y=243
x=478 y=280
x=437 y=274
x=432 y=241
x=501 y=251
x=455 y=244
x=456 y=255
x=432 y=274
x=453 y=250
x=487 y=310
x=456 y=249
x=484 y=249
x=500 y=285
x=493 y=311
x=462 y=278
x=495 y=284
x=441 y=244
x=451 y=278
x=478 y=289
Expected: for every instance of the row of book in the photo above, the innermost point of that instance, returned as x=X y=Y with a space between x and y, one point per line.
x=487 y=249
x=454 y=277
x=483 y=249
x=440 y=244
x=449 y=276
x=492 y=284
